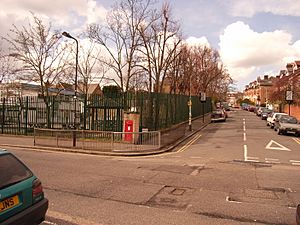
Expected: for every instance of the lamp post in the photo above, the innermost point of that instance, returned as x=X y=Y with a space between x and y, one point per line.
x=66 y=34
x=190 y=105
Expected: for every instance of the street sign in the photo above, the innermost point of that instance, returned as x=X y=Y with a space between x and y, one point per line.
x=289 y=95
x=203 y=97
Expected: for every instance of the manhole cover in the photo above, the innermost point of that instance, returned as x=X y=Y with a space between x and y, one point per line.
x=177 y=191
x=172 y=197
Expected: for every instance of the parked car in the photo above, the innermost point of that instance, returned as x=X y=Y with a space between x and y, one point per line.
x=218 y=115
x=251 y=108
x=287 y=125
x=298 y=215
x=259 y=111
x=22 y=200
x=271 y=120
x=265 y=113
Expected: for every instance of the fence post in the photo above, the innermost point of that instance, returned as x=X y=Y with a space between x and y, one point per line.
x=112 y=141
x=3 y=116
x=26 y=115
x=159 y=143
x=33 y=136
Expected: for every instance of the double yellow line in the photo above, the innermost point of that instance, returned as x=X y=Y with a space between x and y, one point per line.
x=297 y=140
x=187 y=145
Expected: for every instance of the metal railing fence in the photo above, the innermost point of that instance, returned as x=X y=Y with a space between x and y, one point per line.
x=20 y=115
x=106 y=141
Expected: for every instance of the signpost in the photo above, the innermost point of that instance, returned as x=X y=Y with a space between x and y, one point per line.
x=203 y=100
x=289 y=99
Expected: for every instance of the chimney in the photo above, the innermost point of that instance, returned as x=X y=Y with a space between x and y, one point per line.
x=290 y=68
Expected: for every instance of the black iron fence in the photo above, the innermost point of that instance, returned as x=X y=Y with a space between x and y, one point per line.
x=96 y=112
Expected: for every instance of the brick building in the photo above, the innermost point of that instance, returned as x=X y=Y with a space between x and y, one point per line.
x=259 y=91
x=272 y=90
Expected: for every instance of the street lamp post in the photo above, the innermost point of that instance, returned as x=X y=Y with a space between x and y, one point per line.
x=66 y=34
x=190 y=104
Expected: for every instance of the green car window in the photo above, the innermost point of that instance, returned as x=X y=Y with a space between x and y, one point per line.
x=12 y=171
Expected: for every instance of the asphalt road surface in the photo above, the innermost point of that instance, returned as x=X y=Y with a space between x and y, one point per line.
x=237 y=172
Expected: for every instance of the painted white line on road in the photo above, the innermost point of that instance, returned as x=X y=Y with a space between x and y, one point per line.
x=250 y=157
x=277 y=146
x=195 y=172
x=271 y=159
x=51 y=223
x=245 y=139
x=267 y=161
x=244 y=128
x=228 y=200
x=195 y=157
x=252 y=160
x=295 y=161
x=245 y=152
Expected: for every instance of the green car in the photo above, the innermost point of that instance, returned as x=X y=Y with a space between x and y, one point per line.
x=22 y=199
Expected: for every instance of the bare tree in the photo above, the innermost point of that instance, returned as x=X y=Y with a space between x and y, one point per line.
x=160 y=41
x=199 y=69
x=120 y=37
x=40 y=55
x=7 y=66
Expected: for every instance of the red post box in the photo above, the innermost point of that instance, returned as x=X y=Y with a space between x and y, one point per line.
x=128 y=128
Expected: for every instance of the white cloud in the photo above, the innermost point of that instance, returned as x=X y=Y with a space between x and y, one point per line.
x=249 y=8
x=193 y=41
x=245 y=51
x=71 y=14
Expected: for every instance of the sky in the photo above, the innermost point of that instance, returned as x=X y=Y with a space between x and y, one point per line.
x=254 y=37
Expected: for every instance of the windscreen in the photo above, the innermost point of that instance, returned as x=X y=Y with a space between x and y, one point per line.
x=12 y=171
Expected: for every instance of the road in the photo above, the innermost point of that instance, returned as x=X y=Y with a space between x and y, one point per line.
x=237 y=172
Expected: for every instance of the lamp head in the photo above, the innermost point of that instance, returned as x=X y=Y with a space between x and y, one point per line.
x=66 y=34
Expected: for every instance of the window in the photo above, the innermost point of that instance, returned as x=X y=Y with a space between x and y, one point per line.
x=12 y=170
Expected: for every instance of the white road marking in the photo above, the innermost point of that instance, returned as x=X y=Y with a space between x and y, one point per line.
x=244 y=128
x=195 y=157
x=250 y=157
x=295 y=162
x=195 y=172
x=279 y=148
x=245 y=152
x=274 y=162
x=271 y=160
x=227 y=200
x=51 y=223
x=245 y=139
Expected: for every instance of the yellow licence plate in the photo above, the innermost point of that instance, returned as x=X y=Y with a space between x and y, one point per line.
x=9 y=203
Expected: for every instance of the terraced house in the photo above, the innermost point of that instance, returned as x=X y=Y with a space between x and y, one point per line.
x=271 y=91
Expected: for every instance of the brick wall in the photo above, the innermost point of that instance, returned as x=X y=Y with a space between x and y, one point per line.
x=295 y=110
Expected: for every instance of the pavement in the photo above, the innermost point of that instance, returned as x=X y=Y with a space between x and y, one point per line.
x=170 y=138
